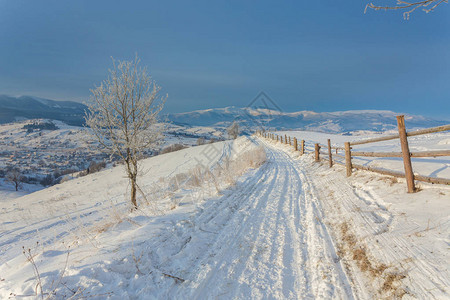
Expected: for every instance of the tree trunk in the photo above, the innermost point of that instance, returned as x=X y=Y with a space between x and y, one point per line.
x=133 y=192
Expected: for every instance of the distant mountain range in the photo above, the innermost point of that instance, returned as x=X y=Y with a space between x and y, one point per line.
x=333 y=122
x=72 y=113
x=28 y=107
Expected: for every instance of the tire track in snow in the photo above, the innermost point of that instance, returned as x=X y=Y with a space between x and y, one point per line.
x=270 y=242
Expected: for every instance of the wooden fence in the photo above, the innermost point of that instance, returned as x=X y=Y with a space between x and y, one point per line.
x=349 y=153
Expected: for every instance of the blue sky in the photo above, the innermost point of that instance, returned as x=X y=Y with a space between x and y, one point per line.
x=306 y=55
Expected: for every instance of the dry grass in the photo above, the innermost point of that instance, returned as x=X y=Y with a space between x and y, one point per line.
x=196 y=176
x=204 y=181
x=391 y=180
x=391 y=286
x=56 y=289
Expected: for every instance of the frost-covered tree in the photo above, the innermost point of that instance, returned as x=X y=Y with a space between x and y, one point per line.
x=409 y=7
x=233 y=130
x=123 y=115
x=15 y=177
x=201 y=141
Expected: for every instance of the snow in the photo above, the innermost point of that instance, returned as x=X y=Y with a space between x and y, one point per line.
x=251 y=118
x=408 y=233
x=8 y=191
x=429 y=166
x=78 y=212
x=273 y=233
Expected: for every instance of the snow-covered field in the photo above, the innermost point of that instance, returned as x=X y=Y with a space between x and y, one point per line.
x=290 y=229
x=427 y=166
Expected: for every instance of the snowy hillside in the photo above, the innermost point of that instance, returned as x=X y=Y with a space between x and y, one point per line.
x=83 y=213
x=232 y=229
x=333 y=122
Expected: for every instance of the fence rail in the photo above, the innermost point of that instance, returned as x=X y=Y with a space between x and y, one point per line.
x=349 y=154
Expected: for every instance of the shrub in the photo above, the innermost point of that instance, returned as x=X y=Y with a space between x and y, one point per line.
x=172 y=148
x=94 y=167
x=40 y=126
x=30 y=180
x=47 y=180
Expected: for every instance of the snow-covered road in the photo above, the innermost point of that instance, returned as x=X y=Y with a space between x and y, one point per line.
x=264 y=239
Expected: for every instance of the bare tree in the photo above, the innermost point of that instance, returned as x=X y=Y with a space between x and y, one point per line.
x=427 y=5
x=233 y=130
x=124 y=113
x=15 y=177
x=201 y=141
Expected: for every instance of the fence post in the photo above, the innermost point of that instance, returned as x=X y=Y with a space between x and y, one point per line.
x=406 y=154
x=317 y=151
x=302 y=147
x=290 y=141
x=348 y=159
x=295 y=144
x=330 y=158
